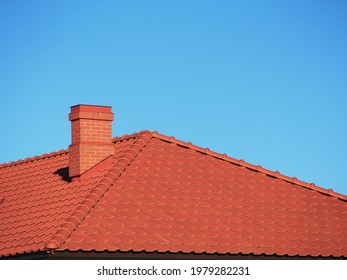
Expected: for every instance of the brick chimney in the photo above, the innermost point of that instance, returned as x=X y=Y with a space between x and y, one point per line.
x=91 y=131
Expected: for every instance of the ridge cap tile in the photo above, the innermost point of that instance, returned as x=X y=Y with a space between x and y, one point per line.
x=85 y=206
x=130 y=136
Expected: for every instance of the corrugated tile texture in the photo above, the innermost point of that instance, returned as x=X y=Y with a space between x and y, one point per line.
x=178 y=199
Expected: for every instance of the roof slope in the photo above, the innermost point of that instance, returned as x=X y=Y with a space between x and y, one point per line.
x=36 y=202
x=160 y=194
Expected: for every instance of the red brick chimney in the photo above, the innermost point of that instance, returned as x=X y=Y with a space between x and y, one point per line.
x=91 y=131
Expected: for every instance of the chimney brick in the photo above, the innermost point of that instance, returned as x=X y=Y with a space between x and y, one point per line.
x=91 y=133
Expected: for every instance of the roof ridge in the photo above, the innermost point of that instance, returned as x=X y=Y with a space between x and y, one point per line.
x=32 y=159
x=65 y=151
x=129 y=136
x=98 y=192
x=257 y=168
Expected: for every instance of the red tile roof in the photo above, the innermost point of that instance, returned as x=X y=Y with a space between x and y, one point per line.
x=159 y=194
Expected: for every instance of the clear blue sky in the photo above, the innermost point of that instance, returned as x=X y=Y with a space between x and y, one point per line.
x=263 y=81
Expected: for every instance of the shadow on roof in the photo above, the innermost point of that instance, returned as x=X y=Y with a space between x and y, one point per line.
x=63 y=173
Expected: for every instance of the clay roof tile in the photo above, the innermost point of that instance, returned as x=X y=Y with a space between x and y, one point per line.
x=161 y=194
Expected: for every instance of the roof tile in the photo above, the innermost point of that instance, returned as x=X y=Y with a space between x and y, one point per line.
x=161 y=194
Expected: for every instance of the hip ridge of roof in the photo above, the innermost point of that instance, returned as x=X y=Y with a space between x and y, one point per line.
x=97 y=193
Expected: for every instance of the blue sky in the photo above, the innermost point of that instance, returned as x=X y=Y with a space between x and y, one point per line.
x=263 y=81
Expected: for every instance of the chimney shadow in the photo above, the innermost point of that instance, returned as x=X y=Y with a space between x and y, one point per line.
x=64 y=174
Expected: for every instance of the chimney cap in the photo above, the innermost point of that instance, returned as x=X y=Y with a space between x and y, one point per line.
x=92 y=112
x=90 y=108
